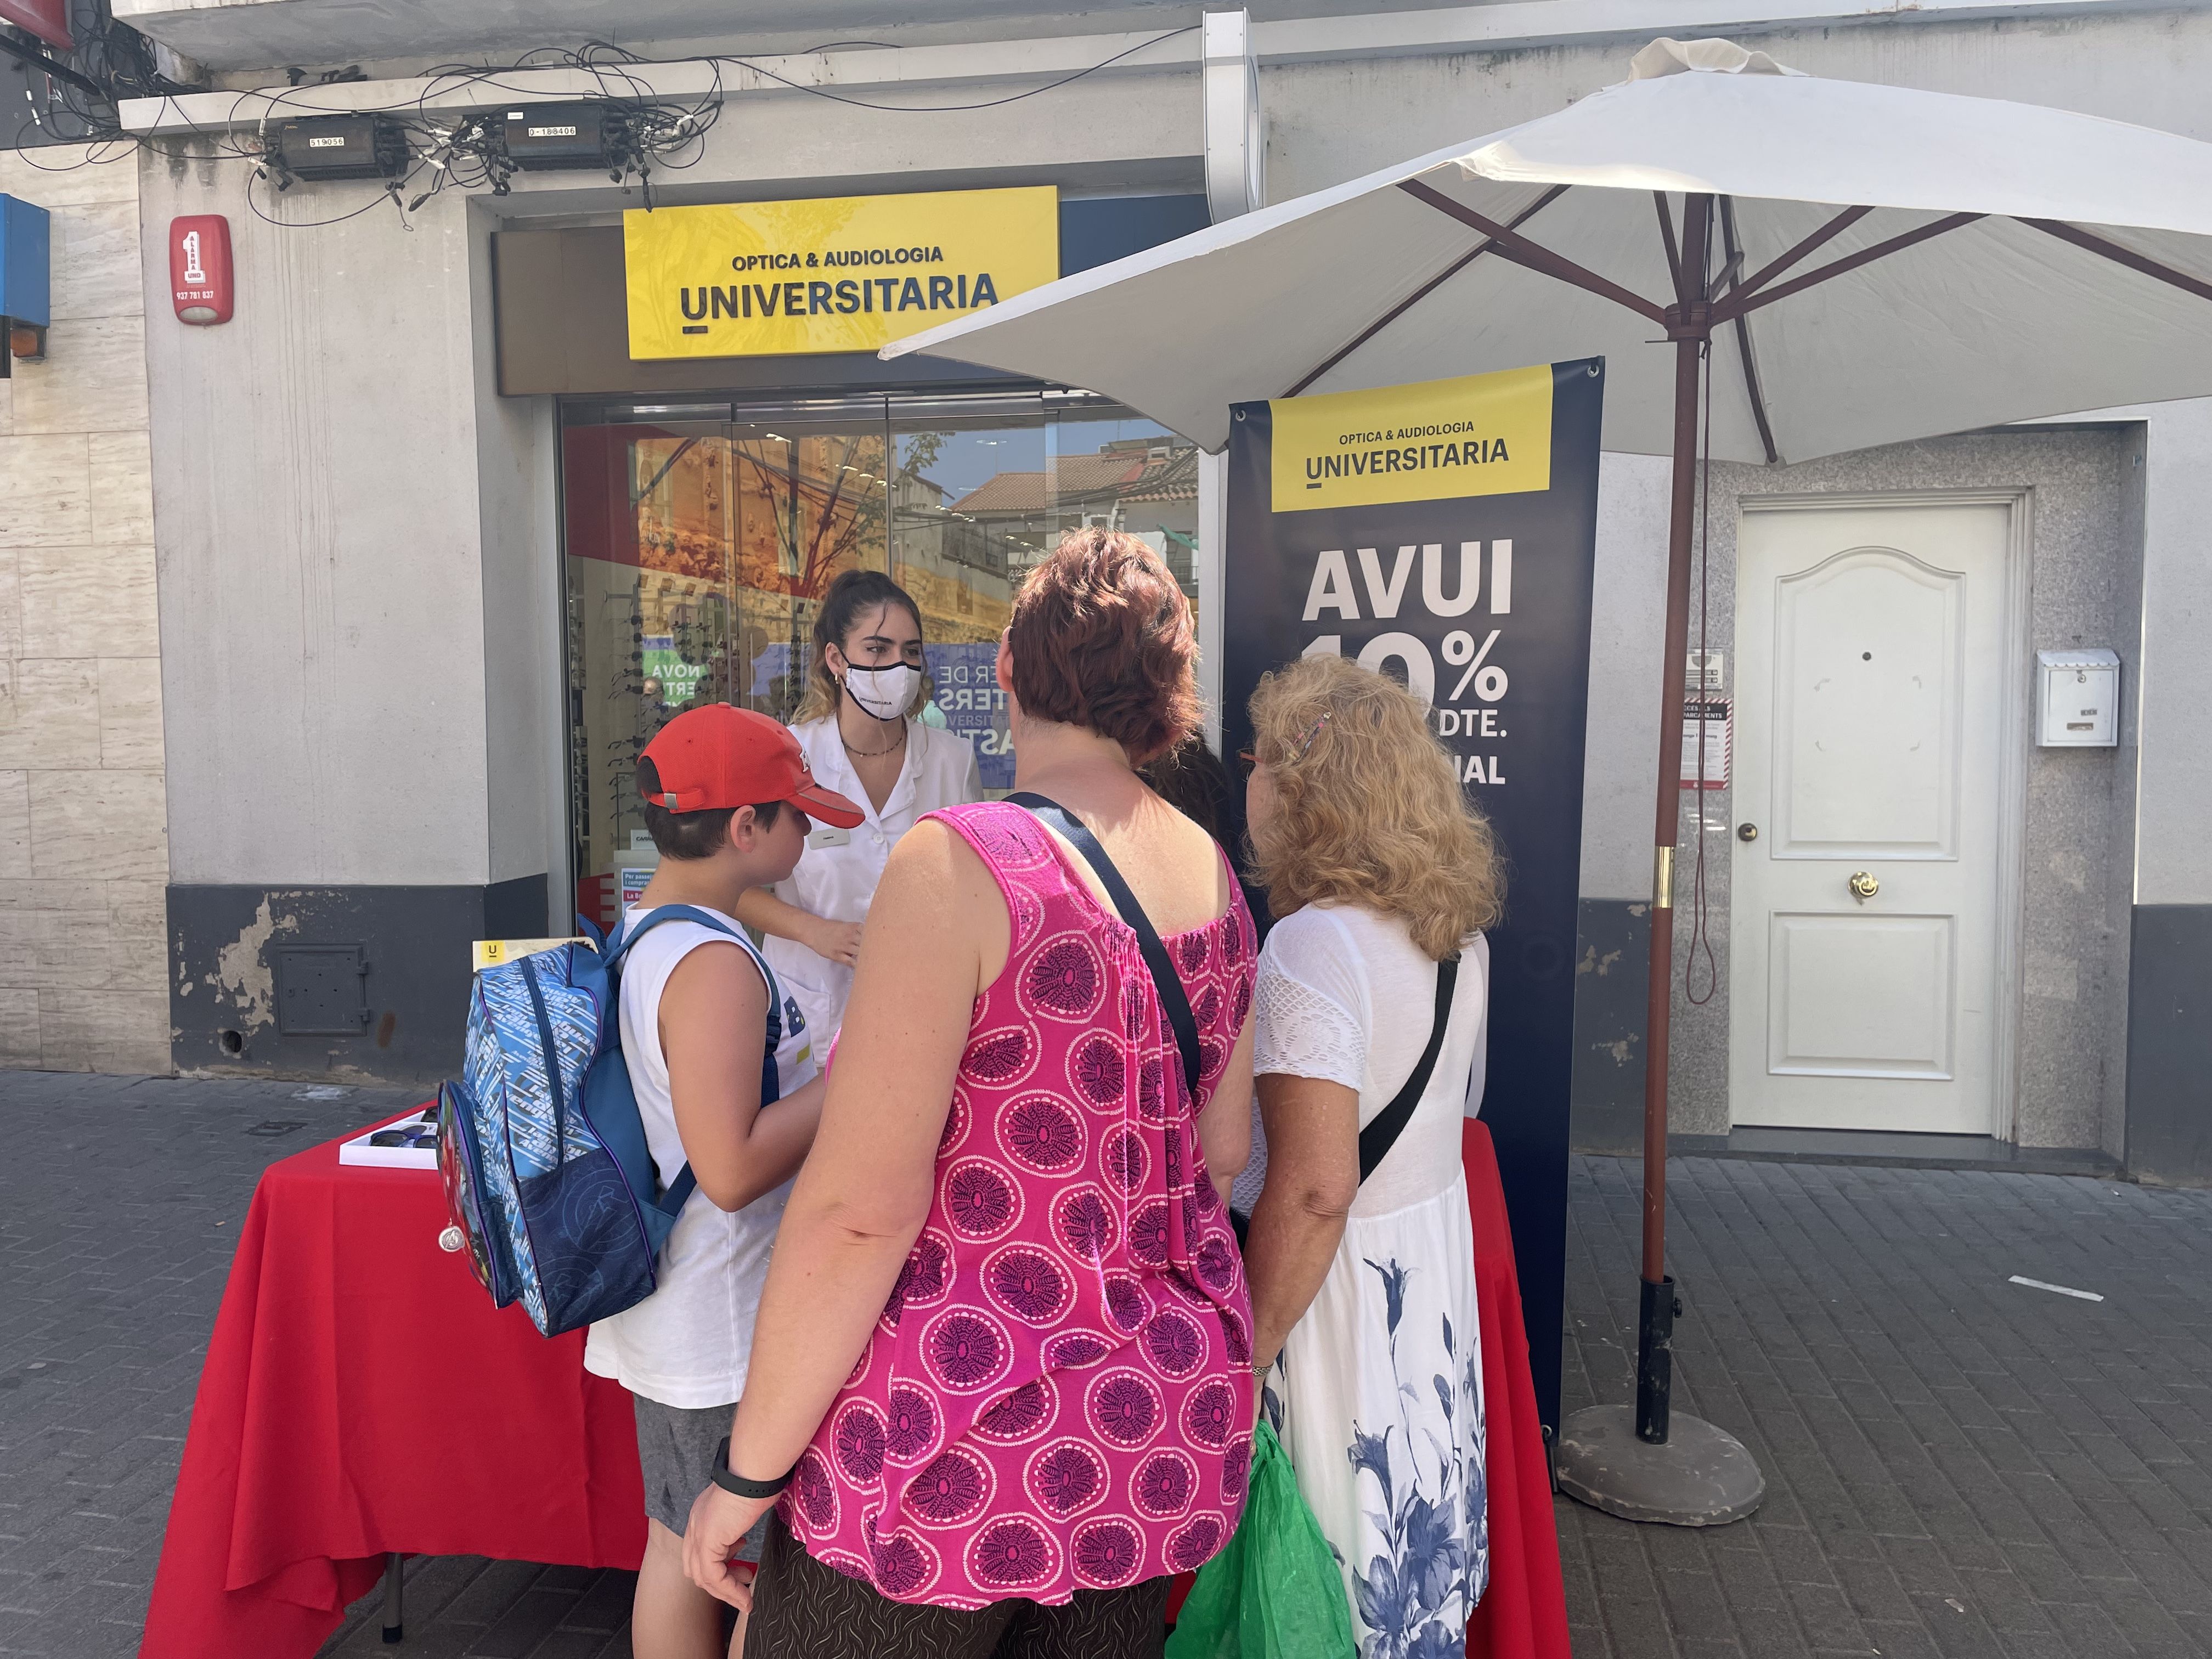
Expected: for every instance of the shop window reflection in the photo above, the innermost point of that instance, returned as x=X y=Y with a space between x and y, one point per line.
x=962 y=569
x=697 y=554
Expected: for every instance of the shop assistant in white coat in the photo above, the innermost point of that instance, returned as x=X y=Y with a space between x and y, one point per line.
x=861 y=728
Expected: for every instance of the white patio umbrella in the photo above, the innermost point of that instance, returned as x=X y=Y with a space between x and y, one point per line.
x=1993 y=262
x=1868 y=264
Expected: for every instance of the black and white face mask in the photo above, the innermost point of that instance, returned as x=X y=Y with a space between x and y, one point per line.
x=887 y=692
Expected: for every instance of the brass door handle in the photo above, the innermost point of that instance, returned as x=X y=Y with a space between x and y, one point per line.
x=1746 y=832
x=1864 y=886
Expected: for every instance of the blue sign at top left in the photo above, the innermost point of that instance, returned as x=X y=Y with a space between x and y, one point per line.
x=26 y=283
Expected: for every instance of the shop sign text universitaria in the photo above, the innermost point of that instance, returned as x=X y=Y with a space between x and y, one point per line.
x=848 y=273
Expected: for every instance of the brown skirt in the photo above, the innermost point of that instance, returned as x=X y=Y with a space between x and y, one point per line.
x=805 y=1610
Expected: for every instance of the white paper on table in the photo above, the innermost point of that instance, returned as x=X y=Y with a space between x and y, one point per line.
x=358 y=1151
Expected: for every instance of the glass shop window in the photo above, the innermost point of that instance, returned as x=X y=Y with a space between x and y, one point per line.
x=701 y=538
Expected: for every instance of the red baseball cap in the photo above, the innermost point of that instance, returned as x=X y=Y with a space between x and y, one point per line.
x=716 y=756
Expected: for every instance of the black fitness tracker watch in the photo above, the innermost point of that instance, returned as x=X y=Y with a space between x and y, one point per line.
x=737 y=1484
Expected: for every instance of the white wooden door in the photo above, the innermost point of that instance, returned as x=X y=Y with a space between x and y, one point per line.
x=1863 y=921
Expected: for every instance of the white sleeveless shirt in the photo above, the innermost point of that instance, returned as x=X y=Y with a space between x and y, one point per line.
x=689 y=1343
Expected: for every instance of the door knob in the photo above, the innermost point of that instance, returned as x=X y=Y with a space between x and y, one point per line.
x=1746 y=832
x=1864 y=886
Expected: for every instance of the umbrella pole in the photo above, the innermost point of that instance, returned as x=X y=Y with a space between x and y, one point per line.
x=1655 y=1362
x=1648 y=1464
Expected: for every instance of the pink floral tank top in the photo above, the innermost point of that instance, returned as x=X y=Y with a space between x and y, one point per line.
x=1058 y=1395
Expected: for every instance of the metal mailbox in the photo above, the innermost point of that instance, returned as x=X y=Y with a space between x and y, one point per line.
x=2077 y=699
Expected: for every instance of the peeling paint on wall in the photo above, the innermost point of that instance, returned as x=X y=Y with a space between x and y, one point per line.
x=243 y=968
x=227 y=943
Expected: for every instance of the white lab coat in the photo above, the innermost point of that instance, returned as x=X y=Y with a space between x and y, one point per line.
x=836 y=877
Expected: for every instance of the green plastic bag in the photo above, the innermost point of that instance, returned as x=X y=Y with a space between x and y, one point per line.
x=1276 y=1592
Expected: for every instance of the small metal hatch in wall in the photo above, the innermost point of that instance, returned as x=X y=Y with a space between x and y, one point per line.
x=322 y=990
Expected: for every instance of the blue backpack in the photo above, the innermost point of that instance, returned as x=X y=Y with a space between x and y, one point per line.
x=552 y=1187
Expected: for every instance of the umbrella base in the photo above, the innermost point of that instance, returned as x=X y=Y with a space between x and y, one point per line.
x=1702 y=1477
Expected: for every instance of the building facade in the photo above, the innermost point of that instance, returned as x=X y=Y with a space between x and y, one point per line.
x=84 y=859
x=435 y=554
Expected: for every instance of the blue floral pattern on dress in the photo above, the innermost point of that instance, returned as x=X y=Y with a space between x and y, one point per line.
x=1414 y=1594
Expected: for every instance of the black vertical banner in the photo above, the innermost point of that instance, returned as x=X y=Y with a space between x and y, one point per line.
x=1444 y=533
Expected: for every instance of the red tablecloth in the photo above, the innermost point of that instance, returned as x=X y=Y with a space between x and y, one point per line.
x=1524 y=1614
x=361 y=1396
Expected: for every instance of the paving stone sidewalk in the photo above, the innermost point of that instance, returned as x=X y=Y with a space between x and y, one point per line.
x=1956 y=1465
x=120 y=1201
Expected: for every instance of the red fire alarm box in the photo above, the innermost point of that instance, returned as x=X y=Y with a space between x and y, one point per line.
x=199 y=268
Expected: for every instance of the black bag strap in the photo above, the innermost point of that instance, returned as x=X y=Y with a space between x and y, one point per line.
x=1382 y=1133
x=1173 y=1000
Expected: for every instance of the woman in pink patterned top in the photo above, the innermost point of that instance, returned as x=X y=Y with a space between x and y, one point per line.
x=1004 y=1348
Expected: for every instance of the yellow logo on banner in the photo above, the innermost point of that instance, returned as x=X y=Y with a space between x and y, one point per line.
x=1482 y=434
x=842 y=274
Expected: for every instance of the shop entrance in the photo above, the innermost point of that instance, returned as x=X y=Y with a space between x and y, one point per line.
x=1865 y=917
x=700 y=538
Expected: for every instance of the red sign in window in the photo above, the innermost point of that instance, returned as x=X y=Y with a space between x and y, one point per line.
x=47 y=19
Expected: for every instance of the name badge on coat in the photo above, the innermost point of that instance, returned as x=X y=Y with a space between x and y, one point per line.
x=828 y=834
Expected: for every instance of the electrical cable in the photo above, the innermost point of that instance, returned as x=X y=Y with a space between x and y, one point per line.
x=646 y=127
x=393 y=189
x=111 y=61
x=1700 y=937
x=949 y=109
x=604 y=59
x=32 y=59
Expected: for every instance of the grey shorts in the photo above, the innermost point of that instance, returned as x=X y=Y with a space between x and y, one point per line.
x=676 y=1450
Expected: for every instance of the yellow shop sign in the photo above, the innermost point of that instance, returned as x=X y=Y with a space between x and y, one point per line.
x=1481 y=435
x=848 y=273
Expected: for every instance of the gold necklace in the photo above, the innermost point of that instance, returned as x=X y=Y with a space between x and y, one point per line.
x=874 y=754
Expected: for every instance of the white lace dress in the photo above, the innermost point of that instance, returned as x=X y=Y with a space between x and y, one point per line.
x=1378 y=1397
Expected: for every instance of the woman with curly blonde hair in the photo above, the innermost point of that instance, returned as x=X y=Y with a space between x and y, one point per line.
x=1372 y=999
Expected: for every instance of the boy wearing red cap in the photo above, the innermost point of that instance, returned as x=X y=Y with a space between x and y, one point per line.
x=727 y=798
